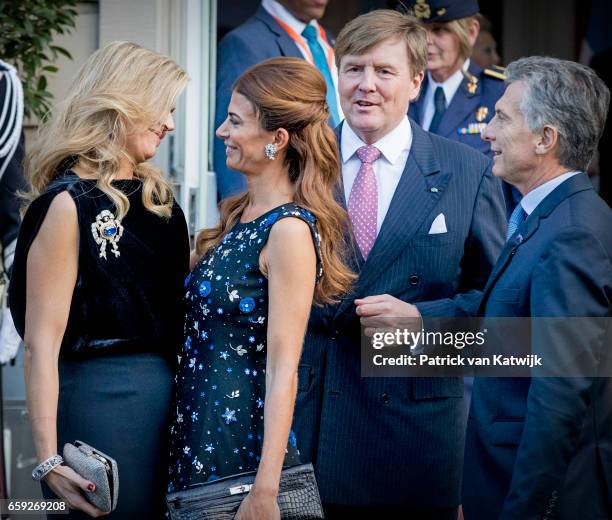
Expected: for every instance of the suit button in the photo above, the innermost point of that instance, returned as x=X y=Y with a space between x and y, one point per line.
x=414 y=279
x=385 y=398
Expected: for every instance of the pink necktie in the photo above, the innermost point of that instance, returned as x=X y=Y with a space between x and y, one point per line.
x=363 y=200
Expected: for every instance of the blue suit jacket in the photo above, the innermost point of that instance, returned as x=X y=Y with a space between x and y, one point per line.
x=462 y=109
x=256 y=40
x=399 y=441
x=546 y=443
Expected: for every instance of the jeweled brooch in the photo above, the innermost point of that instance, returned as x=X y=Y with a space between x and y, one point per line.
x=107 y=229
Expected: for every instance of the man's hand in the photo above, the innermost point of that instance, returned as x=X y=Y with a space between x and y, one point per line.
x=386 y=312
x=387 y=306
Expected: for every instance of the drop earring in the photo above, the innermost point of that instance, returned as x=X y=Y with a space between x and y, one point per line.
x=270 y=151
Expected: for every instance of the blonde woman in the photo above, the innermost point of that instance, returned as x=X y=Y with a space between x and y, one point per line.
x=276 y=250
x=97 y=278
x=457 y=96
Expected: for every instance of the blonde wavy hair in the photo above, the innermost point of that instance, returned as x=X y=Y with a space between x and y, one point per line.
x=290 y=93
x=122 y=86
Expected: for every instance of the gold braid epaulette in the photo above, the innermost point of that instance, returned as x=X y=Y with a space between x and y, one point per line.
x=495 y=71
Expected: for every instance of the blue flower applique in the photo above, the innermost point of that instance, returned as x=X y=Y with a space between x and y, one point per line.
x=205 y=288
x=269 y=220
x=292 y=439
x=247 y=305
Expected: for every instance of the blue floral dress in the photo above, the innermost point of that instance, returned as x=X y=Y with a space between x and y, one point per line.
x=218 y=411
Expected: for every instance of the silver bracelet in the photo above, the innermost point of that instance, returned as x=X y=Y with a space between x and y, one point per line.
x=46 y=466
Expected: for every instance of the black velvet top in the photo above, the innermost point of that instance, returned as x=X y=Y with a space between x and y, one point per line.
x=129 y=288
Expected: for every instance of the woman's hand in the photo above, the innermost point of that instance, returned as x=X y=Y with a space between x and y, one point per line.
x=67 y=485
x=258 y=507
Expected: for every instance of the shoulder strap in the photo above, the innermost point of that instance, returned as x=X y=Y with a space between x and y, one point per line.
x=495 y=71
x=295 y=211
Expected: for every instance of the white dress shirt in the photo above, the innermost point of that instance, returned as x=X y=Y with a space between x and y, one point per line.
x=449 y=86
x=394 y=148
x=531 y=200
x=279 y=11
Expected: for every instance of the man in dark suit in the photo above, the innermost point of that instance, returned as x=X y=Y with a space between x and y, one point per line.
x=542 y=447
x=428 y=224
x=278 y=28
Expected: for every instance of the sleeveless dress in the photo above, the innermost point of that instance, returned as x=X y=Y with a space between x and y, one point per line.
x=218 y=412
x=117 y=355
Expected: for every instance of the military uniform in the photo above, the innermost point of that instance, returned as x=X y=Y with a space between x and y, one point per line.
x=473 y=104
x=471 y=108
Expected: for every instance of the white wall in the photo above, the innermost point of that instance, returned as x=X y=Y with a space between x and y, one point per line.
x=185 y=30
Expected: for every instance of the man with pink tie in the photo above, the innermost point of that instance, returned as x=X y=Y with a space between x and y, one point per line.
x=428 y=223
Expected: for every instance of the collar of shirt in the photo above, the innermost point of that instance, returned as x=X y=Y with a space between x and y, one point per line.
x=391 y=145
x=449 y=86
x=282 y=13
x=394 y=147
x=531 y=200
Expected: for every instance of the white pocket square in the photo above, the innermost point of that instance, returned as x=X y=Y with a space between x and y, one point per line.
x=438 y=225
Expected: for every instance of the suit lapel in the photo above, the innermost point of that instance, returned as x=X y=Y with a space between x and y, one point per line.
x=412 y=202
x=286 y=45
x=525 y=231
x=572 y=185
x=461 y=107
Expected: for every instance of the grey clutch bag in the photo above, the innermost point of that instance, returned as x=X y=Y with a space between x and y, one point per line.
x=97 y=467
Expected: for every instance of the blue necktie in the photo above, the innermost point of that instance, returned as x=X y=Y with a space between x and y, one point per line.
x=516 y=219
x=440 y=107
x=320 y=62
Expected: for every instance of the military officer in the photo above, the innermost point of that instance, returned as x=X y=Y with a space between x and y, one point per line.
x=457 y=97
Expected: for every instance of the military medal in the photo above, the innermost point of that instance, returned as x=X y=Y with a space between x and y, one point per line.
x=472 y=85
x=472 y=81
x=472 y=128
x=107 y=229
x=481 y=114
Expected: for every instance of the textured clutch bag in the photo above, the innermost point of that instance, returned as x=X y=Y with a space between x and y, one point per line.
x=97 y=467
x=298 y=497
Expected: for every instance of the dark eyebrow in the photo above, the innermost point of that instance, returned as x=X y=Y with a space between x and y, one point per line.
x=233 y=114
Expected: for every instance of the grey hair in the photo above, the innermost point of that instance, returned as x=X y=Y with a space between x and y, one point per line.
x=567 y=96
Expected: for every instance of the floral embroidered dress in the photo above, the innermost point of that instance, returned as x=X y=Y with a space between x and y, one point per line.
x=218 y=412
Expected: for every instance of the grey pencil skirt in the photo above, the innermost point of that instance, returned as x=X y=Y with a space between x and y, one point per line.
x=120 y=405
